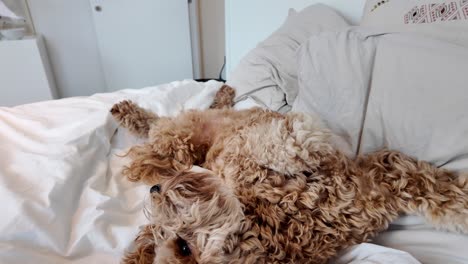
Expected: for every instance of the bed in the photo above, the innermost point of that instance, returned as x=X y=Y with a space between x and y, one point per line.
x=64 y=198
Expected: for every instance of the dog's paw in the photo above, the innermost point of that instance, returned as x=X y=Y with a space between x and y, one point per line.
x=224 y=97
x=123 y=106
x=120 y=110
x=133 y=117
x=227 y=91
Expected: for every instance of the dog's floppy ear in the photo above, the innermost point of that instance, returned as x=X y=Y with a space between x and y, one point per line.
x=149 y=166
x=136 y=119
x=144 y=251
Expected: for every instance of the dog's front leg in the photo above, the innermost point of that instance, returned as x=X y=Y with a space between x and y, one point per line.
x=165 y=157
x=172 y=148
x=136 y=119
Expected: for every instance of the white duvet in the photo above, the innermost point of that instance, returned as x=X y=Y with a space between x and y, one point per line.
x=63 y=198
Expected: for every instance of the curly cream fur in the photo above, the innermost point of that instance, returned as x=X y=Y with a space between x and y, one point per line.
x=277 y=191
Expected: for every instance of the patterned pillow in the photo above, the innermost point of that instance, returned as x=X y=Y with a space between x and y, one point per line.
x=406 y=12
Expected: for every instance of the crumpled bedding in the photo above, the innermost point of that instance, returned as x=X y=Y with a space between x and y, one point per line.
x=63 y=197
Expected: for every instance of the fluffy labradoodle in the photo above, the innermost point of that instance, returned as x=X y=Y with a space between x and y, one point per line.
x=276 y=190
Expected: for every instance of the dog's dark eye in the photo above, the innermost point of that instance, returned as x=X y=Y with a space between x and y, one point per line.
x=184 y=249
x=156 y=188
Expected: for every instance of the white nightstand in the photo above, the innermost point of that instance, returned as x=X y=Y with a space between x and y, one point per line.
x=25 y=73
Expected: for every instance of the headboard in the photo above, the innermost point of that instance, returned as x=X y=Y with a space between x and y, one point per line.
x=250 y=21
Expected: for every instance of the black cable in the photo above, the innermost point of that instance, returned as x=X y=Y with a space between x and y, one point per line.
x=222 y=69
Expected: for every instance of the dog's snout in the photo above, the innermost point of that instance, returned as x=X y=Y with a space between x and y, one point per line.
x=155 y=189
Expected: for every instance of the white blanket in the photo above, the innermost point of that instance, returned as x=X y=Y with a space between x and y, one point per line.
x=63 y=197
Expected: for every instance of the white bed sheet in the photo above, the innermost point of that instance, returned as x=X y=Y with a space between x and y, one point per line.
x=63 y=197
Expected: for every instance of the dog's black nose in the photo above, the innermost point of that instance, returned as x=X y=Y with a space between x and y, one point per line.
x=156 y=188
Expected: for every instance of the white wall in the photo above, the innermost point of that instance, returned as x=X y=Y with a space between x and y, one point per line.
x=25 y=74
x=68 y=31
x=212 y=37
x=245 y=28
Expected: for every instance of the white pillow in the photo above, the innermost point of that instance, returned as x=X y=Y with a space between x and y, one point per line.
x=418 y=100
x=334 y=75
x=268 y=73
x=400 y=12
x=417 y=104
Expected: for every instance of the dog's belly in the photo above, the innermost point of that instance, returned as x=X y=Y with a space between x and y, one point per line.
x=211 y=128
